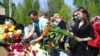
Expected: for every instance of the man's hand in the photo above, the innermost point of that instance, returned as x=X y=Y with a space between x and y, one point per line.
x=32 y=41
x=36 y=40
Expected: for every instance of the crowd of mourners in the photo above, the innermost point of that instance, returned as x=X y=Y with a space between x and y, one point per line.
x=85 y=28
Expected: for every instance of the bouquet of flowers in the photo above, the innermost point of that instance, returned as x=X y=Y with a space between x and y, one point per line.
x=53 y=34
x=9 y=33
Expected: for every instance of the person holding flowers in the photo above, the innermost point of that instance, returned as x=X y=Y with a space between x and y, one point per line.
x=83 y=31
x=36 y=33
x=38 y=25
x=61 y=24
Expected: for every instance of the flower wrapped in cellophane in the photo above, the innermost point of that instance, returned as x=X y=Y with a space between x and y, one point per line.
x=9 y=33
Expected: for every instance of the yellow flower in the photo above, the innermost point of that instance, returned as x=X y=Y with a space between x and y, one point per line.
x=4 y=35
x=1 y=30
x=15 y=32
x=11 y=28
x=18 y=31
x=4 y=26
x=1 y=37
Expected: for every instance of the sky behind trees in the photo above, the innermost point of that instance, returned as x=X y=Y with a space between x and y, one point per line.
x=44 y=5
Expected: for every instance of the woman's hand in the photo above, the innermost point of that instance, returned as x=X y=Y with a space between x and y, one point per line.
x=79 y=39
x=83 y=39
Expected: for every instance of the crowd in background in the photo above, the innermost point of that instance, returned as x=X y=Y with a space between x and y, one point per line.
x=86 y=30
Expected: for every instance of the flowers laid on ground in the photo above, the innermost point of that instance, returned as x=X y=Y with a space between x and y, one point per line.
x=35 y=50
x=18 y=49
x=9 y=33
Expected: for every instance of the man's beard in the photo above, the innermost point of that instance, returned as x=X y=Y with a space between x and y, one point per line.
x=36 y=20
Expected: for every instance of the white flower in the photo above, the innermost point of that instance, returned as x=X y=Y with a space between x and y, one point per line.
x=35 y=46
x=7 y=22
x=19 y=31
x=41 y=53
x=63 y=53
x=10 y=34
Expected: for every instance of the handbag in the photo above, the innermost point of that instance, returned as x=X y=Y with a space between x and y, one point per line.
x=95 y=42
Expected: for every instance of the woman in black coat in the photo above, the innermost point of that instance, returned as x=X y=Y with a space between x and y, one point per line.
x=83 y=31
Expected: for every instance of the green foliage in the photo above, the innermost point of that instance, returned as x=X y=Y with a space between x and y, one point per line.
x=65 y=12
x=23 y=9
x=59 y=32
x=6 y=6
x=13 y=9
x=55 y=34
x=36 y=5
x=91 y=5
x=58 y=6
x=54 y=6
x=20 y=12
x=93 y=8
x=79 y=3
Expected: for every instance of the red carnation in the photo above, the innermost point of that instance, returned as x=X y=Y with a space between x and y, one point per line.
x=7 y=36
x=16 y=36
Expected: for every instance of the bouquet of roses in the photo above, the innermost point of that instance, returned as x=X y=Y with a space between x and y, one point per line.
x=9 y=33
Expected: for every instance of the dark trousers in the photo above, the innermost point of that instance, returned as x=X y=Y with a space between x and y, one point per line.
x=93 y=51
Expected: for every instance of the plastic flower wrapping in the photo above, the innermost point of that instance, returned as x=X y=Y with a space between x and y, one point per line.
x=9 y=33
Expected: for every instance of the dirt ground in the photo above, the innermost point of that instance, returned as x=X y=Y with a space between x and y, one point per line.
x=3 y=51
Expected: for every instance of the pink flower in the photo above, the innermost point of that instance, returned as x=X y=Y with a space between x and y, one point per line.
x=34 y=52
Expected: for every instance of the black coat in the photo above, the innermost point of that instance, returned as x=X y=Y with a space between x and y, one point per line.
x=86 y=30
x=62 y=24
